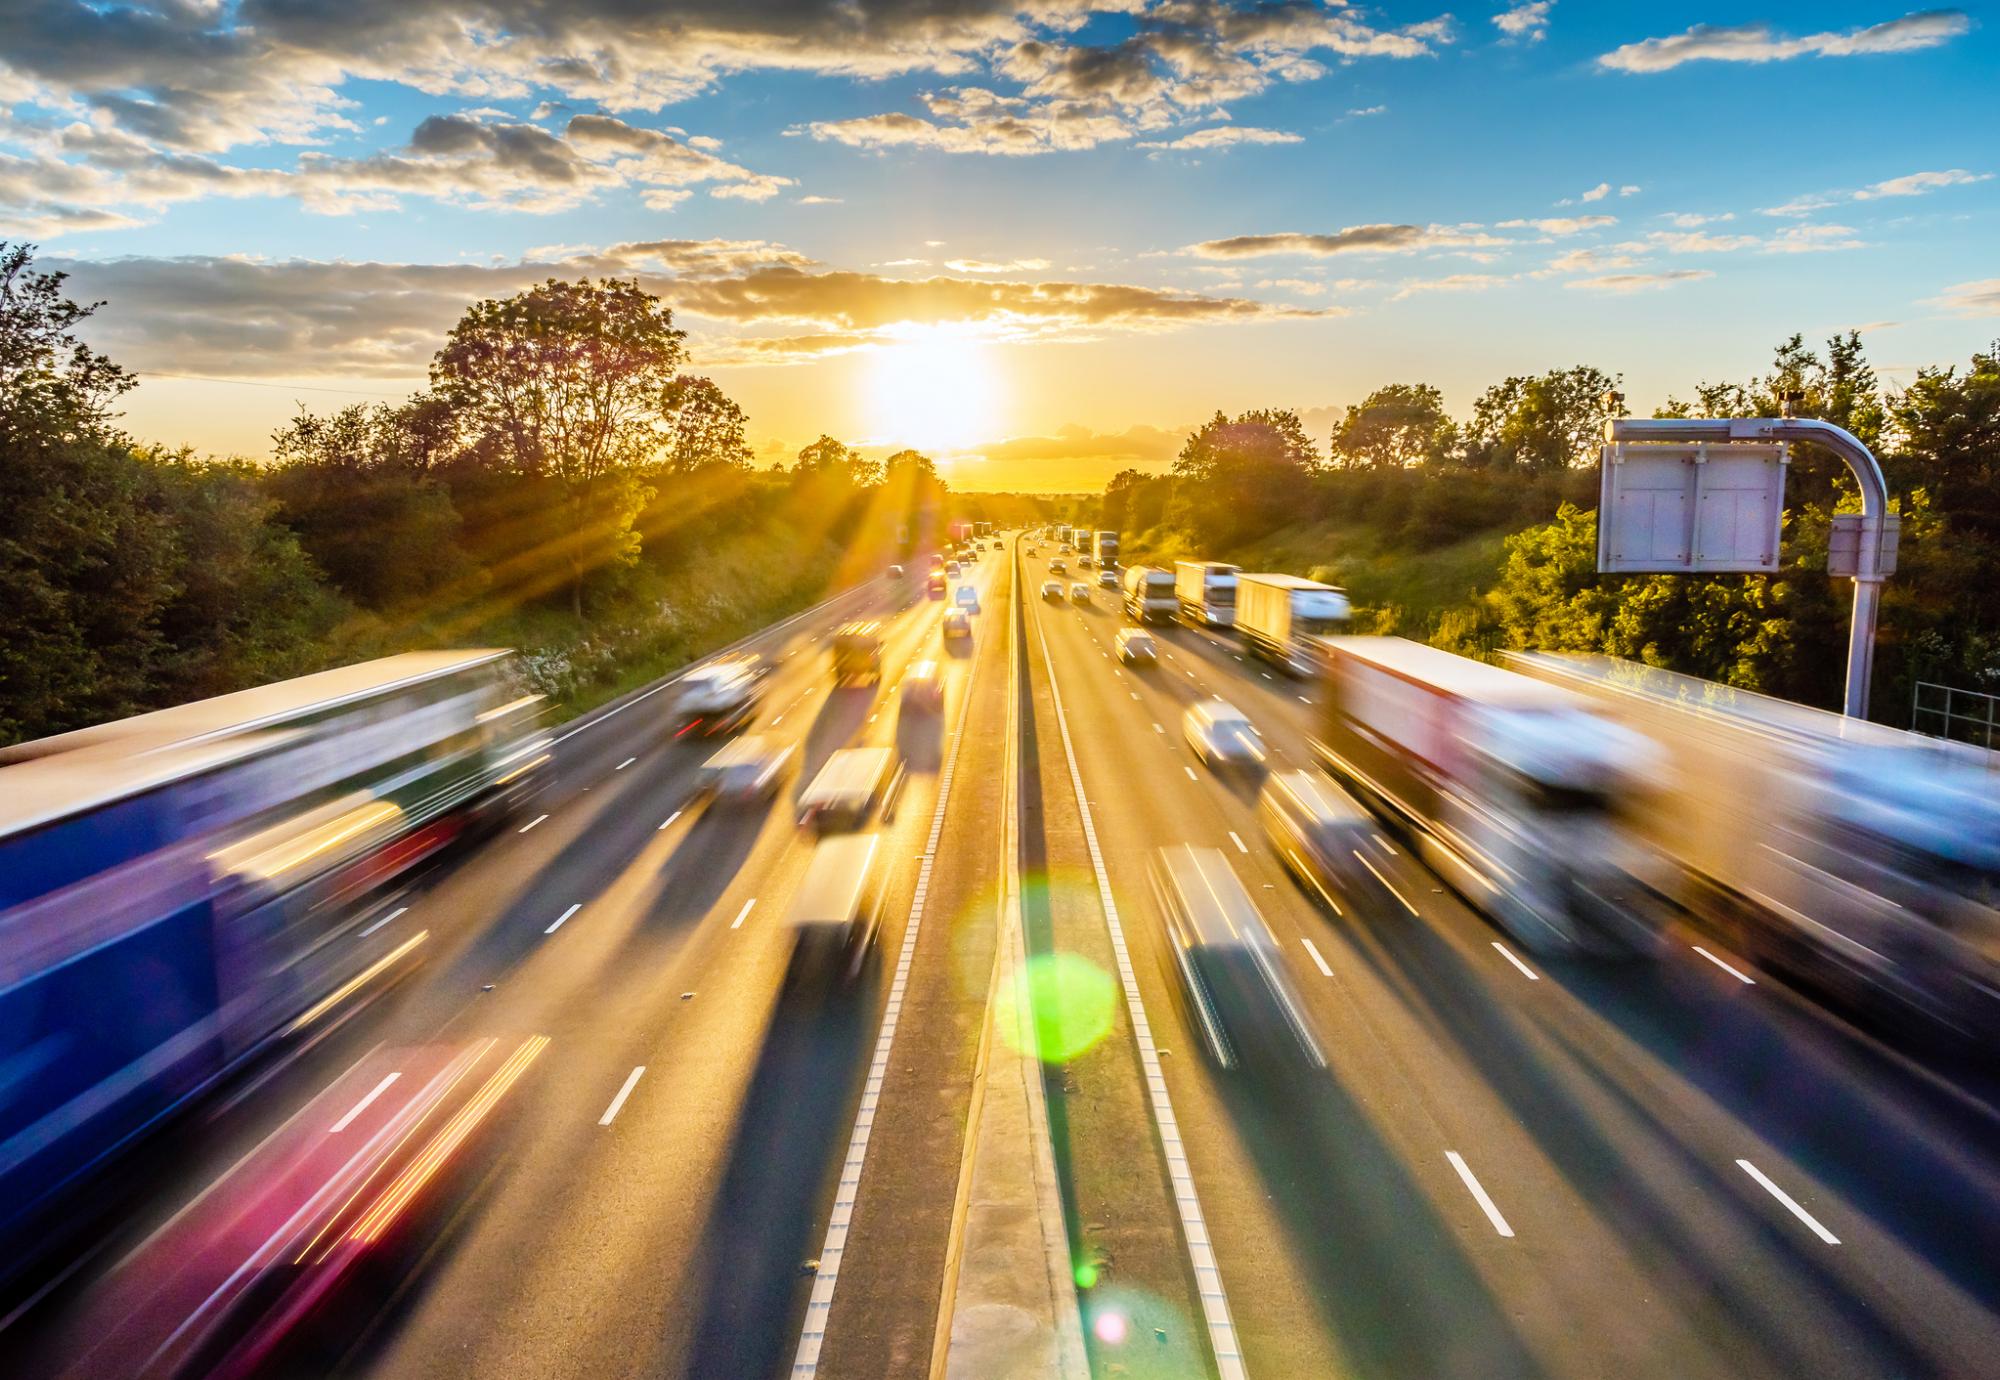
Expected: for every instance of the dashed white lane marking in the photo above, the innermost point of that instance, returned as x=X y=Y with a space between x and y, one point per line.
x=1265 y=674
x=624 y=764
x=564 y=916
x=1790 y=1203
x=1387 y=847
x=631 y=1082
x=358 y=1108
x=668 y=820
x=1383 y=880
x=1304 y=700
x=1135 y=694
x=1529 y=973
x=1190 y=772
x=1478 y=1193
x=531 y=824
x=1318 y=961
x=743 y=914
x=383 y=921
x=1730 y=969
x=1194 y=1227
x=1241 y=847
x=1158 y=729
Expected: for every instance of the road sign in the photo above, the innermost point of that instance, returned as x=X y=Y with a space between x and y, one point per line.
x=1845 y=545
x=1691 y=509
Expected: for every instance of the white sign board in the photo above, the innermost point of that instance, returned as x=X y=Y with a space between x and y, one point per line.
x=1692 y=509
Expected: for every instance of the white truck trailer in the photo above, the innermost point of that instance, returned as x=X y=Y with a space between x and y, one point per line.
x=1149 y=594
x=1206 y=592
x=1509 y=787
x=1281 y=617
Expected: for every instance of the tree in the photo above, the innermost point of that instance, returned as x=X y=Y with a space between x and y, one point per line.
x=706 y=428
x=1243 y=477
x=1395 y=427
x=53 y=387
x=576 y=381
x=831 y=457
x=1549 y=421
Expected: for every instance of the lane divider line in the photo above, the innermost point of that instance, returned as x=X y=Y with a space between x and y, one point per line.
x=1384 y=881
x=631 y=1082
x=1478 y=1192
x=358 y=1108
x=1194 y=1227
x=1730 y=969
x=743 y=914
x=1241 y=846
x=531 y=824
x=668 y=820
x=1529 y=973
x=1318 y=960
x=1791 y=1204
x=564 y=916
x=383 y=921
x=624 y=764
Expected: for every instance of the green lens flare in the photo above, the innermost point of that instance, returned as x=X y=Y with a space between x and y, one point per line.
x=1057 y=1007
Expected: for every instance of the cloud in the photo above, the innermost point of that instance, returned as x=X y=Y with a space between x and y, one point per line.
x=986 y=266
x=1527 y=22
x=1639 y=282
x=1355 y=239
x=1975 y=299
x=1812 y=239
x=1918 y=183
x=1597 y=193
x=1366 y=111
x=1457 y=282
x=1222 y=136
x=818 y=201
x=1689 y=220
x=1759 y=43
x=1630 y=189
x=1560 y=225
x=1586 y=261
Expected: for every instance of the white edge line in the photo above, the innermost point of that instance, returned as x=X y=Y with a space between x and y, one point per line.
x=1761 y=1177
x=1728 y=968
x=1318 y=961
x=531 y=824
x=383 y=921
x=358 y=1108
x=743 y=914
x=1529 y=973
x=631 y=1082
x=564 y=916
x=1479 y=1193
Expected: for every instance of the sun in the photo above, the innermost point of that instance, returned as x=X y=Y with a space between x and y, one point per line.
x=935 y=388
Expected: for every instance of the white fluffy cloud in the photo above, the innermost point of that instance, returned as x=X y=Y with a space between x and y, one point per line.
x=1761 y=43
x=1223 y=136
x=1622 y=283
x=1976 y=299
x=1528 y=22
x=1909 y=184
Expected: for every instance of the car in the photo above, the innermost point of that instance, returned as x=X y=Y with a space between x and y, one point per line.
x=748 y=770
x=720 y=697
x=845 y=791
x=967 y=598
x=937 y=560
x=1052 y=589
x=1058 y=566
x=1083 y=562
x=895 y=572
x=1136 y=647
x=1107 y=578
x=857 y=651
x=1229 y=964
x=951 y=570
x=934 y=586
x=957 y=623
x=1079 y=593
x=834 y=914
x=1222 y=735
x=923 y=687
x=1317 y=830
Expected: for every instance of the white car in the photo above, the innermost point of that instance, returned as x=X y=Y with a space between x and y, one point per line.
x=1222 y=735
x=1107 y=578
x=1079 y=593
x=1052 y=589
x=1058 y=567
x=746 y=771
x=895 y=572
x=957 y=623
x=923 y=688
x=1137 y=648
x=951 y=570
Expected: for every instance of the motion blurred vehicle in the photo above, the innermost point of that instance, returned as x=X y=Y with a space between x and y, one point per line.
x=720 y=697
x=1079 y=593
x=1105 y=545
x=1058 y=566
x=1205 y=592
x=835 y=912
x=1107 y=578
x=923 y=688
x=937 y=560
x=1282 y=618
x=1083 y=562
x=966 y=597
x=1053 y=590
x=857 y=652
x=934 y=586
x=1863 y=859
x=895 y=572
x=1514 y=790
x=1230 y=967
x=1222 y=735
x=951 y=570
x=1317 y=830
x=747 y=771
x=1148 y=594
x=847 y=788
x=181 y=889
x=1136 y=647
x=957 y=623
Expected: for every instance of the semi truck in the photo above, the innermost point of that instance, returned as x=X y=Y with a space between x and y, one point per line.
x=1282 y=617
x=961 y=532
x=1107 y=549
x=1512 y=789
x=1205 y=592
x=1862 y=858
x=857 y=651
x=1149 y=594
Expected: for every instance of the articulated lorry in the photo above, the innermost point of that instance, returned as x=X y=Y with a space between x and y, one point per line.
x=1511 y=788
x=1864 y=859
x=1282 y=617
x=1107 y=549
x=1206 y=592
x=1149 y=594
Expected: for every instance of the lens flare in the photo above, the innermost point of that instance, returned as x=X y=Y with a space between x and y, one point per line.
x=1057 y=1007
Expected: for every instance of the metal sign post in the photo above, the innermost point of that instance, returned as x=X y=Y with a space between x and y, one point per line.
x=1653 y=518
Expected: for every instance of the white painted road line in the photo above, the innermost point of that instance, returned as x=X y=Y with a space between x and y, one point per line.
x=1135 y=694
x=1761 y=1177
x=631 y=1082
x=1318 y=961
x=1734 y=972
x=668 y=820
x=743 y=914
x=1304 y=700
x=1241 y=846
x=358 y=1108
x=531 y=824
x=383 y=921
x=624 y=764
x=1383 y=880
x=1479 y=1194
x=1529 y=973
x=1190 y=772
x=564 y=916
x=1158 y=729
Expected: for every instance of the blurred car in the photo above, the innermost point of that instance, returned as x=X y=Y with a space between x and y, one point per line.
x=834 y=913
x=957 y=623
x=720 y=697
x=937 y=560
x=746 y=771
x=1052 y=589
x=934 y=586
x=951 y=570
x=966 y=598
x=1136 y=647
x=857 y=651
x=1079 y=593
x=1222 y=735
x=1084 y=562
x=846 y=789
x=895 y=572
x=1317 y=830
x=1107 y=578
x=923 y=687
x=1229 y=965
x=1058 y=567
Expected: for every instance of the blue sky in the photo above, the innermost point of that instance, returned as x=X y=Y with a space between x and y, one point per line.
x=1042 y=242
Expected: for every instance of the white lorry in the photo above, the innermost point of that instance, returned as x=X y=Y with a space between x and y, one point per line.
x=1149 y=594
x=1281 y=617
x=1509 y=787
x=1206 y=592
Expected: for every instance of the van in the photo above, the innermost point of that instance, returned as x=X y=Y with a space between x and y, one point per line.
x=834 y=914
x=1317 y=830
x=846 y=790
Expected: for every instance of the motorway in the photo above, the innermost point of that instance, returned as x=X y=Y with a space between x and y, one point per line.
x=1675 y=1167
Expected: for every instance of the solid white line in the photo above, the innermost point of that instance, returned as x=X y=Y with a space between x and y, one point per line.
x=624 y=764
x=631 y=1082
x=564 y=916
x=1740 y=976
x=1318 y=961
x=531 y=824
x=668 y=820
x=1190 y=772
x=1508 y=954
x=1194 y=1227
x=743 y=914
x=1479 y=1194
x=1761 y=1177
x=383 y=921
x=1241 y=847
x=1383 y=880
x=358 y=1108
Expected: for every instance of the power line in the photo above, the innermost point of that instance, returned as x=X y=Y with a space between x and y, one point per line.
x=261 y=383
